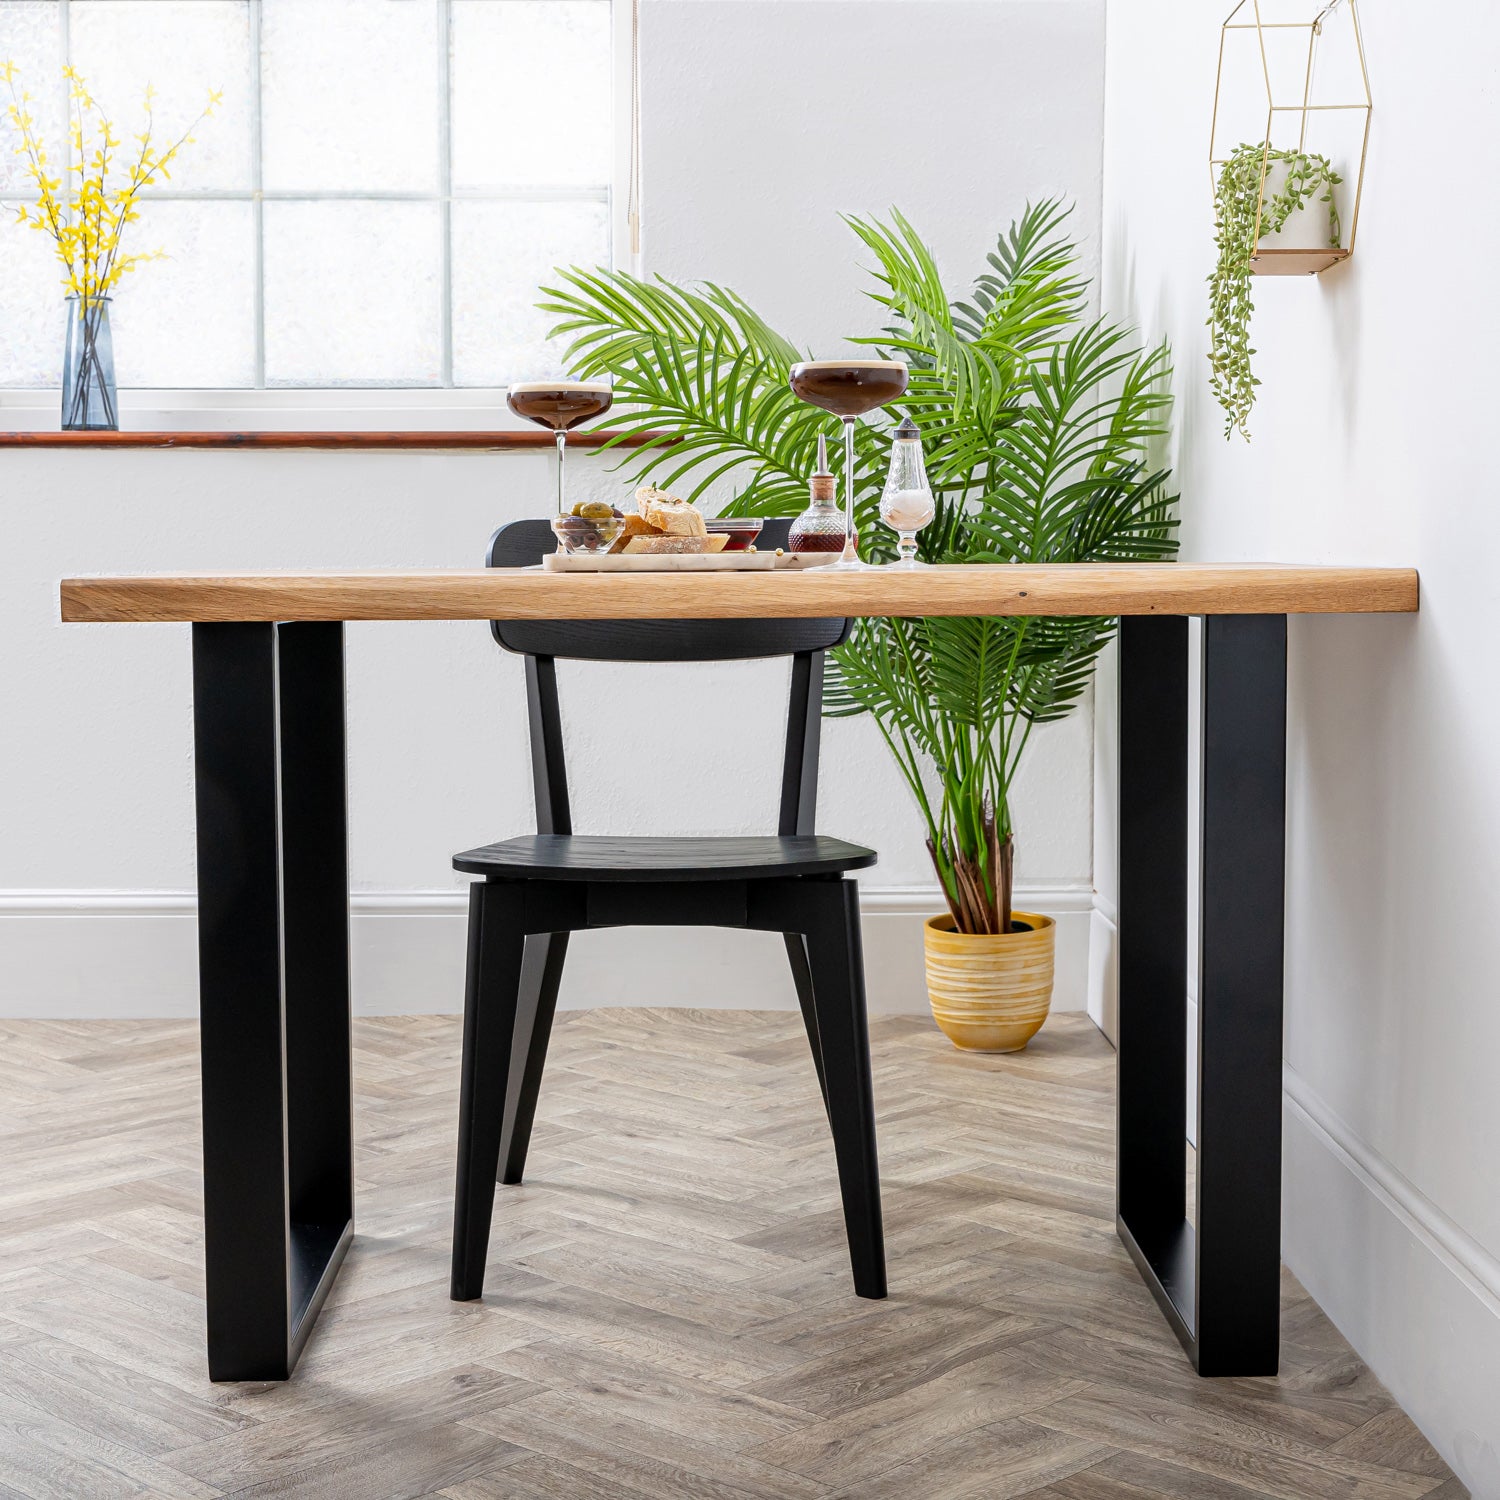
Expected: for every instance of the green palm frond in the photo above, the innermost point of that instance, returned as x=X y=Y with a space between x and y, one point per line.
x=1033 y=288
x=612 y=314
x=969 y=662
x=698 y=375
x=1038 y=427
x=1057 y=667
x=923 y=331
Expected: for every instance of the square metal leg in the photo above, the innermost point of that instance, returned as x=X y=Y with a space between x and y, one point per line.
x=273 y=954
x=1217 y=1279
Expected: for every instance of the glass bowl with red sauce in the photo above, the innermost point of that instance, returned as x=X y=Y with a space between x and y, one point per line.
x=741 y=531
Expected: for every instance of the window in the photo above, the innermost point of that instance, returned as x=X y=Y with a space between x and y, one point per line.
x=374 y=203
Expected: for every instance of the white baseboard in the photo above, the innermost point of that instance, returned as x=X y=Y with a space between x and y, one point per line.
x=1103 y=1001
x=1416 y=1295
x=120 y=954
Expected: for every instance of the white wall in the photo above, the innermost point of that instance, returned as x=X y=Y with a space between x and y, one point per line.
x=761 y=121
x=764 y=120
x=1371 y=444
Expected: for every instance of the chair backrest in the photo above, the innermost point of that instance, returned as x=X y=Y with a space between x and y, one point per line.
x=521 y=544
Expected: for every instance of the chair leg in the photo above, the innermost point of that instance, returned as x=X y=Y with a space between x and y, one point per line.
x=541 y=974
x=833 y=946
x=796 y=952
x=496 y=946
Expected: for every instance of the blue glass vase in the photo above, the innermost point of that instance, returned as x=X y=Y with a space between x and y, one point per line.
x=89 y=399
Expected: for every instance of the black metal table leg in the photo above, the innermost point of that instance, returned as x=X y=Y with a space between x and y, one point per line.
x=273 y=945
x=1218 y=1283
x=1151 y=1113
x=1240 y=989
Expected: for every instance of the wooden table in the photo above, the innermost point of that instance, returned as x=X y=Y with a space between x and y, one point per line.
x=273 y=899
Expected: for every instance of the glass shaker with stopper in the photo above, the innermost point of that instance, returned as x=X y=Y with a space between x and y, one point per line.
x=820 y=528
x=906 y=503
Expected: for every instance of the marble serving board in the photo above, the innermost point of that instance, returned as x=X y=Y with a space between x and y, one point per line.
x=672 y=562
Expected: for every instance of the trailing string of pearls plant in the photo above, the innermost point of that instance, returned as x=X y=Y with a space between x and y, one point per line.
x=1246 y=207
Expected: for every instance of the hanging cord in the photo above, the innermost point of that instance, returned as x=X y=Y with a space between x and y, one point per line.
x=633 y=196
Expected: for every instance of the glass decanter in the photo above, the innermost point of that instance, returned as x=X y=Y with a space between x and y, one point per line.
x=820 y=528
x=906 y=503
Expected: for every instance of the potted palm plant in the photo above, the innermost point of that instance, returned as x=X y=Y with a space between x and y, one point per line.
x=1036 y=423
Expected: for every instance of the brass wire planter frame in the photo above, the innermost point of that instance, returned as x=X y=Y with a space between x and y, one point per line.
x=1276 y=262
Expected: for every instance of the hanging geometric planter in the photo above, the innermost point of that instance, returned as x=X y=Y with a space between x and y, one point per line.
x=1292 y=120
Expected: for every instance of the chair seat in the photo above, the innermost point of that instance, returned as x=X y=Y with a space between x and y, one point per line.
x=579 y=856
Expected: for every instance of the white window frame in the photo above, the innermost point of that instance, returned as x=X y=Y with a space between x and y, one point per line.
x=368 y=406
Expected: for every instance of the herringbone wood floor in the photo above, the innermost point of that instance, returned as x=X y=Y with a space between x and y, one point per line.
x=668 y=1312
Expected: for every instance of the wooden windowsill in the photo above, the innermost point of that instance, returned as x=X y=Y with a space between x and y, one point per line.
x=499 y=442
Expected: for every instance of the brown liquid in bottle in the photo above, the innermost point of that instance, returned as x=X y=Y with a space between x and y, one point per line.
x=850 y=388
x=559 y=406
x=815 y=541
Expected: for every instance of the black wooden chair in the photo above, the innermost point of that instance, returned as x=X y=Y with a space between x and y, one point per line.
x=540 y=887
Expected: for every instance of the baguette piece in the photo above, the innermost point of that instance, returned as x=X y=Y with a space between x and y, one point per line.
x=669 y=514
x=648 y=494
x=682 y=546
x=659 y=544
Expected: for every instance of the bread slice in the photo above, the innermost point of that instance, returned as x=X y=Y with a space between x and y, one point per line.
x=681 y=546
x=634 y=526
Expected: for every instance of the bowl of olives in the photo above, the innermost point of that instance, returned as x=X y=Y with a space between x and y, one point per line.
x=591 y=526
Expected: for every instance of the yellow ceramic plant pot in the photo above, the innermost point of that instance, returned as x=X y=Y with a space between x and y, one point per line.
x=990 y=993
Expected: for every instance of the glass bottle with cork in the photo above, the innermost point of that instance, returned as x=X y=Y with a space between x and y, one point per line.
x=820 y=528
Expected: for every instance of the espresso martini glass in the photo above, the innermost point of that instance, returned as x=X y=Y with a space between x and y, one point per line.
x=849 y=388
x=559 y=405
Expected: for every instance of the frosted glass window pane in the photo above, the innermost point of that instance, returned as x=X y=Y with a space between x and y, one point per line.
x=28 y=38
x=186 y=48
x=350 y=95
x=353 y=293
x=531 y=93
x=502 y=253
x=189 y=320
x=31 y=309
x=350 y=106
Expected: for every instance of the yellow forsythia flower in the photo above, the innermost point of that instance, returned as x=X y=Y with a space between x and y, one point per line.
x=87 y=219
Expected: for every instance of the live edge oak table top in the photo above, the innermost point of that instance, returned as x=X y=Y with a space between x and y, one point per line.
x=505 y=593
x=273 y=895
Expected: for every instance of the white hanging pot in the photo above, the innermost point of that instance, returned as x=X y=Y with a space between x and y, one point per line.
x=1307 y=227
